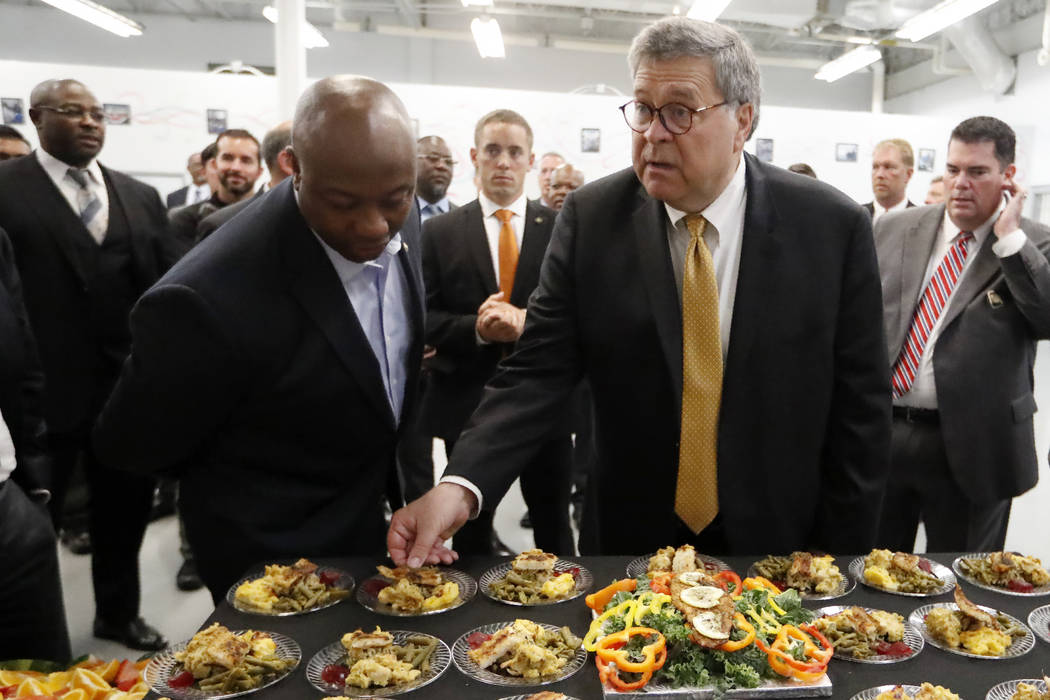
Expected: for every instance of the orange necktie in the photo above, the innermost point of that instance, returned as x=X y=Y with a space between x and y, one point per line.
x=508 y=253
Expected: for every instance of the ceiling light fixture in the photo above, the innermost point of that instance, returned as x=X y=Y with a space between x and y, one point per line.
x=943 y=14
x=847 y=63
x=488 y=37
x=708 y=10
x=477 y=3
x=311 y=36
x=100 y=16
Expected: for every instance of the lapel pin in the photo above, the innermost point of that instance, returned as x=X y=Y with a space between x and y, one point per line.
x=539 y=219
x=994 y=300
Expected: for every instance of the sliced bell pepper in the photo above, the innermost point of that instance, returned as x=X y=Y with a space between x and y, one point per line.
x=609 y=673
x=752 y=582
x=741 y=622
x=661 y=583
x=817 y=660
x=728 y=579
x=598 y=600
x=598 y=624
x=611 y=649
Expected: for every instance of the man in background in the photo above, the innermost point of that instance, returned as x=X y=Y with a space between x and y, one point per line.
x=935 y=195
x=278 y=164
x=197 y=190
x=966 y=288
x=803 y=169
x=564 y=180
x=87 y=241
x=433 y=176
x=892 y=165
x=12 y=143
x=548 y=162
x=237 y=166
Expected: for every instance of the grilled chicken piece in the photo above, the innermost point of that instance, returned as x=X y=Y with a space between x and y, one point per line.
x=968 y=608
x=661 y=561
x=503 y=642
x=907 y=562
x=711 y=625
x=684 y=559
x=214 y=646
x=423 y=576
x=358 y=640
x=534 y=560
x=801 y=566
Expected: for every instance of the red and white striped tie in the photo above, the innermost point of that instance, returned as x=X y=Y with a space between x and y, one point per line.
x=934 y=299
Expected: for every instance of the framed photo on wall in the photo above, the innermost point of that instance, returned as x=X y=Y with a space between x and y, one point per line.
x=590 y=140
x=927 y=158
x=14 y=112
x=846 y=152
x=216 y=121
x=764 y=150
x=117 y=114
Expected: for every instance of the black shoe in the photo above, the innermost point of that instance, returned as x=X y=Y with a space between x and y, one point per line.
x=188 y=579
x=499 y=548
x=526 y=521
x=77 y=542
x=135 y=634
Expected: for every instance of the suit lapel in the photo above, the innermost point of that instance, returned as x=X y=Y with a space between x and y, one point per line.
x=533 y=247
x=412 y=268
x=314 y=283
x=477 y=244
x=649 y=222
x=53 y=210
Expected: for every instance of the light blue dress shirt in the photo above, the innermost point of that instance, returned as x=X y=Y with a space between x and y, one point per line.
x=379 y=294
x=427 y=210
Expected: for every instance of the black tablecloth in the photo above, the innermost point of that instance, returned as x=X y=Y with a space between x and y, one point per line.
x=970 y=678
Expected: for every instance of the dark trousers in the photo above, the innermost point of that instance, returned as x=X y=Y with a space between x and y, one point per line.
x=921 y=487
x=545 y=486
x=32 y=614
x=119 y=512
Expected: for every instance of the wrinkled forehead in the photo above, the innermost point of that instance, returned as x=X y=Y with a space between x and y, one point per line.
x=69 y=93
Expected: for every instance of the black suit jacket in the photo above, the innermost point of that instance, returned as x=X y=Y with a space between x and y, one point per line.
x=178 y=197
x=870 y=207
x=459 y=276
x=805 y=418
x=213 y=221
x=252 y=379
x=57 y=287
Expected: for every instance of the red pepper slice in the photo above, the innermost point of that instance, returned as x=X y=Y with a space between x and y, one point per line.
x=729 y=578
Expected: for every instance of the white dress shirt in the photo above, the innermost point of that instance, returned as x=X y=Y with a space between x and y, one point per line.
x=493 y=225
x=197 y=193
x=723 y=236
x=428 y=210
x=923 y=392
x=879 y=210
x=59 y=174
x=385 y=322
x=7 y=451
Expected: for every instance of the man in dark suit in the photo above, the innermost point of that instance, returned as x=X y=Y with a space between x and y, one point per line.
x=31 y=608
x=892 y=165
x=197 y=190
x=87 y=241
x=433 y=176
x=278 y=164
x=966 y=286
x=727 y=315
x=12 y=143
x=273 y=366
x=478 y=284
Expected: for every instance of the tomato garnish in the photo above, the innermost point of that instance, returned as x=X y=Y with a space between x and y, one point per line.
x=182 y=680
x=476 y=639
x=328 y=578
x=335 y=674
x=1020 y=586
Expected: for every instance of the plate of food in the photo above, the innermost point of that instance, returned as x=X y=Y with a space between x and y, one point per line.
x=901 y=573
x=972 y=630
x=669 y=559
x=926 y=691
x=1026 y=689
x=406 y=592
x=298 y=589
x=815 y=577
x=542 y=695
x=220 y=663
x=535 y=578
x=1039 y=622
x=868 y=636
x=520 y=653
x=379 y=663
x=1004 y=572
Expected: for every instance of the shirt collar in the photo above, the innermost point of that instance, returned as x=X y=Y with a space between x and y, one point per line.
x=951 y=231
x=720 y=212
x=442 y=205
x=58 y=169
x=879 y=210
x=488 y=207
x=348 y=269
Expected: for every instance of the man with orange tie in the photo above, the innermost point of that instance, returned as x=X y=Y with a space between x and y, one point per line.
x=728 y=317
x=481 y=262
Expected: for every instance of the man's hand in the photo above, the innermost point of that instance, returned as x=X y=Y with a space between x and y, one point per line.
x=418 y=530
x=498 y=321
x=1010 y=220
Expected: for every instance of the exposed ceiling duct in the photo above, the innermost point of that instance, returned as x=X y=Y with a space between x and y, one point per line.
x=995 y=70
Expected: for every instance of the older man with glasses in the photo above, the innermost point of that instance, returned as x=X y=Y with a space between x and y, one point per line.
x=728 y=317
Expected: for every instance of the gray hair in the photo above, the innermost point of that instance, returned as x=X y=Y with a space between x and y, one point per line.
x=736 y=69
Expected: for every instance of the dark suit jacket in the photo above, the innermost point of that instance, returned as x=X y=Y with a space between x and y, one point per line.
x=983 y=359
x=178 y=197
x=252 y=379
x=459 y=276
x=805 y=419
x=211 y=222
x=57 y=287
x=870 y=207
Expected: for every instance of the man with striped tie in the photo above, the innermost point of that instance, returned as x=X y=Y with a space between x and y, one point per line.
x=87 y=241
x=966 y=288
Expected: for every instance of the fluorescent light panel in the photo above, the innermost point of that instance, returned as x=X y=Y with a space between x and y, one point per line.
x=312 y=38
x=708 y=10
x=488 y=37
x=941 y=15
x=477 y=3
x=848 y=62
x=100 y=16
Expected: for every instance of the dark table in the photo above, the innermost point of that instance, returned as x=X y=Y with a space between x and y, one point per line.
x=969 y=678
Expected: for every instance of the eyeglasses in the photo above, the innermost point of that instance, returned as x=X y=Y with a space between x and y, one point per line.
x=434 y=160
x=76 y=112
x=676 y=118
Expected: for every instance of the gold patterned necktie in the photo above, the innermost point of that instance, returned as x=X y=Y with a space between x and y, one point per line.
x=696 y=491
x=508 y=253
